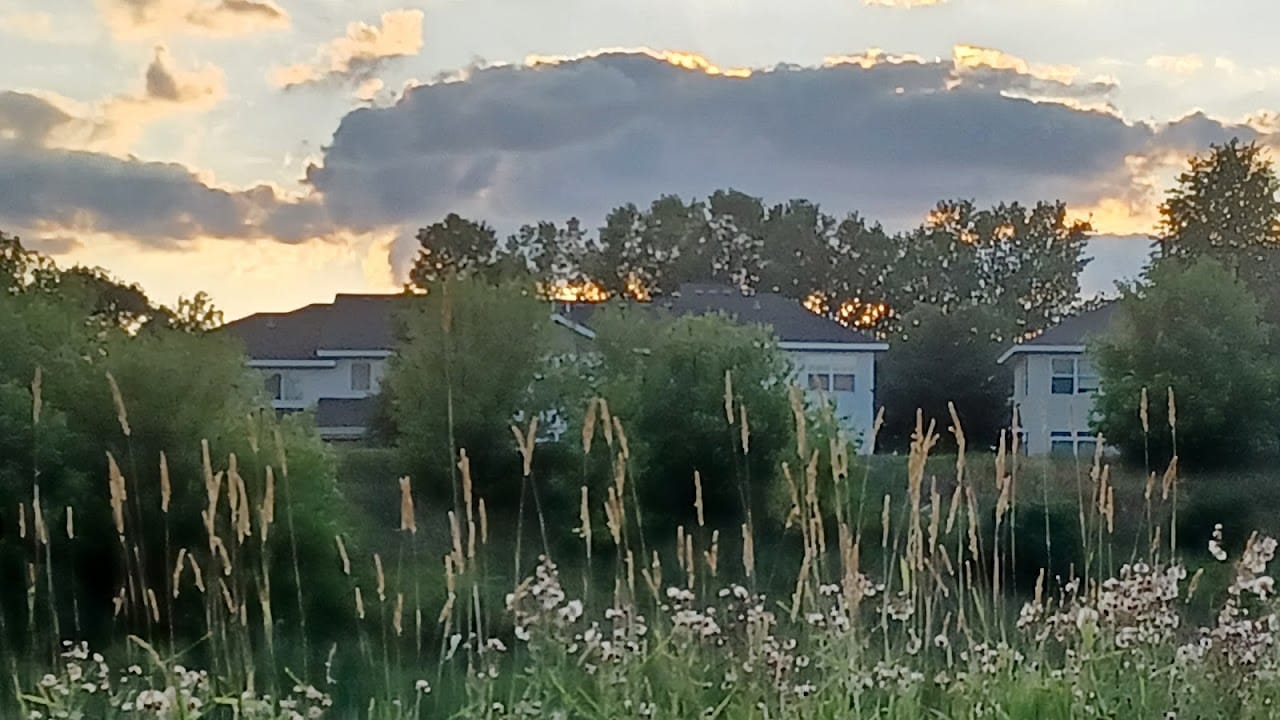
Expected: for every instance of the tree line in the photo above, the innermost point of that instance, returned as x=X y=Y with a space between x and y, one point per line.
x=1022 y=261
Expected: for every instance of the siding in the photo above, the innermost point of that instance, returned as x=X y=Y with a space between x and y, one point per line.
x=1043 y=413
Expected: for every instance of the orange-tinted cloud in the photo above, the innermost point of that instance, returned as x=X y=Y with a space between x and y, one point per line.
x=157 y=19
x=356 y=56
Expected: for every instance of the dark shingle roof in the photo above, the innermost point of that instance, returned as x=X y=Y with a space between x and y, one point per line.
x=345 y=412
x=1078 y=329
x=1075 y=331
x=788 y=318
x=350 y=322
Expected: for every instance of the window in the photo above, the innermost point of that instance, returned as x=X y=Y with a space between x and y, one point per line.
x=1082 y=443
x=831 y=382
x=1063 y=380
x=1072 y=375
x=1086 y=376
x=360 y=376
x=274 y=383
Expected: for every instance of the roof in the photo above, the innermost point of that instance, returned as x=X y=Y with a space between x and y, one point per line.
x=350 y=322
x=1070 y=335
x=788 y=318
x=354 y=413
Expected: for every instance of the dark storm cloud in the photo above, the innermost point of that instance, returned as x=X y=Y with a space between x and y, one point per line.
x=27 y=118
x=515 y=144
x=155 y=204
x=582 y=136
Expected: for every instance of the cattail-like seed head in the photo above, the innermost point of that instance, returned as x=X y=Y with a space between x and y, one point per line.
x=382 y=579
x=1173 y=411
x=118 y=493
x=282 y=458
x=342 y=554
x=589 y=427
x=166 y=491
x=243 y=510
x=712 y=556
x=697 y=498
x=118 y=399
x=623 y=447
x=397 y=618
x=744 y=431
x=1143 y=414
x=196 y=573
x=584 y=520
x=484 y=523
x=359 y=603
x=71 y=523
x=177 y=572
x=748 y=552
x=42 y=531
x=155 y=606
x=606 y=421
x=226 y=597
x=217 y=546
x=267 y=513
x=408 y=522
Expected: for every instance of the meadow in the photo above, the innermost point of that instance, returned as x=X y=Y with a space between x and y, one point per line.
x=979 y=584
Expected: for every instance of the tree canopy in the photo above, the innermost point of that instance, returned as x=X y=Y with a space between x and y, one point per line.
x=1225 y=207
x=1022 y=261
x=1192 y=326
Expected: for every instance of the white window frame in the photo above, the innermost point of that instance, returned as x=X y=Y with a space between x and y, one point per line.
x=1082 y=383
x=827 y=381
x=1076 y=441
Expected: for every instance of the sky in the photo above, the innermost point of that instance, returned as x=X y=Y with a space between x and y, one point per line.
x=276 y=152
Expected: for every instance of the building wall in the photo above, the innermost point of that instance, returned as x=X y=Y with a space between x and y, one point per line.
x=311 y=383
x=1046 y=416
x=855 y=409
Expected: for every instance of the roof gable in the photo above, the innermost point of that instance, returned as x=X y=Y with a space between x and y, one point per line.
x=788 y=318
x=1074 y=332
x=350 y=322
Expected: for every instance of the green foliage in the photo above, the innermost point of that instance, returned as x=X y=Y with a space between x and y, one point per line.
x=1195 y=328
x=665 y=380
x=943 y=358
x=454 y=245
x=468 y=367
x=1225 y=207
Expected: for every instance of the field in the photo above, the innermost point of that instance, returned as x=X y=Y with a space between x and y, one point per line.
x=963 y=586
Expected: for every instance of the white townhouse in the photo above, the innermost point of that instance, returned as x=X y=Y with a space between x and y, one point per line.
x=329 y=357
x=830 y=360
x=1054 y=383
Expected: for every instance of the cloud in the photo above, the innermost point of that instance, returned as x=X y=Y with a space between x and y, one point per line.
x=354 y=57
x=166 y=82
x=1177 y=64
x=113 y=124
x=29 y=119
x=558 y=137
x=52 y=191
x=152 y=19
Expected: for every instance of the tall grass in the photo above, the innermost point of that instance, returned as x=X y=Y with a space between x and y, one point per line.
x=862 y=596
